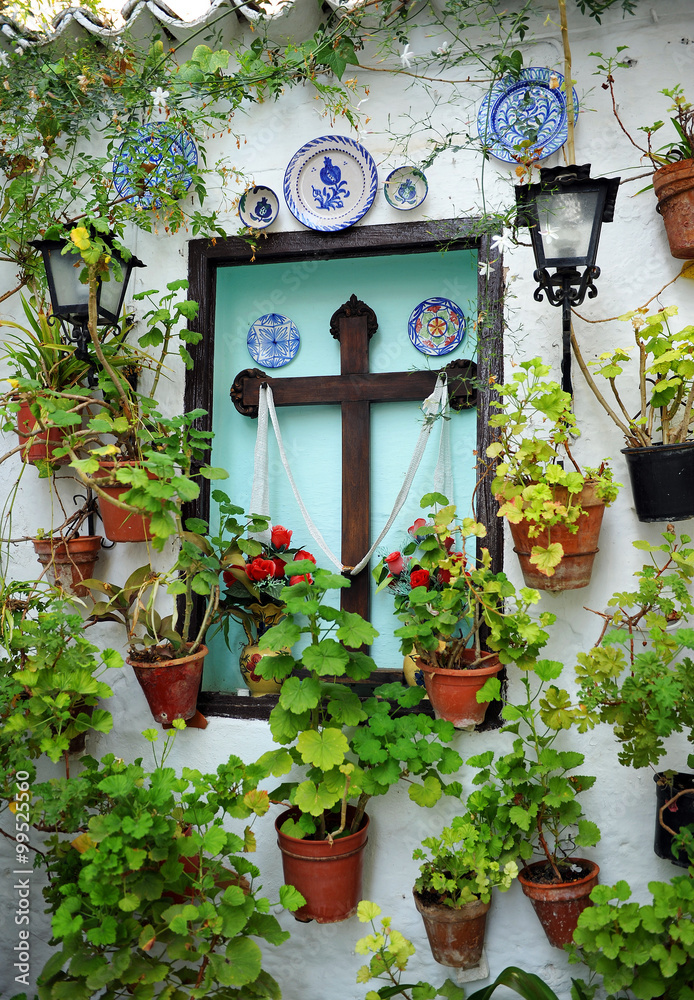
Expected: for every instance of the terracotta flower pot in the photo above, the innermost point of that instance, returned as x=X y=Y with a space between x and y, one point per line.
x=456 y=936
x=40 y=448
x=674 y=188
x=328 y=876
x=120 y=525
x=69 y=562
x=453 y=693
x=558 y=905
x=248 y=660
x=580 y=547
x=171 y=686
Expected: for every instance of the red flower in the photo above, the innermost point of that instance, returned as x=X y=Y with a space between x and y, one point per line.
x=395 y=563
x=279 y=565
x=303 y=554
x=260 y=569
x=304 y=578
x=414 y=528
x=419 y=578
x=280 y=537
x=444 y=575
x=448 y=543
x=229 y=578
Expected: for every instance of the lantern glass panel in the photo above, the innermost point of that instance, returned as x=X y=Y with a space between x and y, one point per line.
x=567 y=220
x=70 y=295
x=112 y=291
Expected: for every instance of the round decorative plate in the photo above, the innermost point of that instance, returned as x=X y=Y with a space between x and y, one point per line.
x=157 y=155
x=531 y=108
x=405 y=188
x=273 y=340
x=330 y=183
x=436 y=326
x=259 y=206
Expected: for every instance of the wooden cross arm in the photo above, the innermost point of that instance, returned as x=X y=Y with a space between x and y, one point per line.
x=373 y=388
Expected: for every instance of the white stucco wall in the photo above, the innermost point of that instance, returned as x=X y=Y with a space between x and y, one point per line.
x=635 y=262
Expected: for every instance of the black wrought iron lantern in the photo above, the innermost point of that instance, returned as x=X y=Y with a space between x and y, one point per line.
x=70 y=296
x=565 y=212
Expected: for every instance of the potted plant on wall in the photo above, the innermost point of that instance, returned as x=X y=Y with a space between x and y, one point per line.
x=447 y=602
x=69 y=558
x=554 y=509
x=660 y=446
x=322 y=835
x=454 y=888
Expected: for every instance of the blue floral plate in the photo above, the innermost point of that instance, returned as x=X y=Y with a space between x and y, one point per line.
x=157 y=155
x=330 y=183
x=531 y=109
x=405 y=188
x=273 y=340
x=436 y=326
x=258 y=207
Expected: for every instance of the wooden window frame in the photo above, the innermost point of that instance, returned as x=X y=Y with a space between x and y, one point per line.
x=204 y=259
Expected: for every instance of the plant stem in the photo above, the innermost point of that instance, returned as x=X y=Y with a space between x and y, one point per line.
x=568 y=83
x=598 y=395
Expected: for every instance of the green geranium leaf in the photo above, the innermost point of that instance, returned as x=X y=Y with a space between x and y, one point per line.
x=325 y=749
x=291 y=898
x=300 y=695
x=428 y=793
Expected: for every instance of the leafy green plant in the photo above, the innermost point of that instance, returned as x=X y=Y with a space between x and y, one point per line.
x=316 y=715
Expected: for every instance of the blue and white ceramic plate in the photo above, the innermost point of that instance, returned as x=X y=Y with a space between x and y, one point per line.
x=157 y=155
x=531 y=108
x=259 y=206
x=330 y=183
x=405 y=188
x=273 y=340
x=436 y=326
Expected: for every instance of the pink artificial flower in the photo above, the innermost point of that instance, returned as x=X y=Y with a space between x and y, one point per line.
x=414 y=528
x=395 y=563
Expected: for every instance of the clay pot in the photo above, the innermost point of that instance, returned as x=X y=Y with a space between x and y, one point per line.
x=328 y=876
x=456 y=936
x=250 y=657
x=558 y=905
x=69 y=562
x=453 y=693
x=674 y=188
x=171 y=686
x=42 y=446
x=120 y=525
x=580 y=548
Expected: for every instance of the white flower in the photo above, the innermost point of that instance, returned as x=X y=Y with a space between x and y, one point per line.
x=406 y=57
x=362 y=101
x=4 y=58
x=39 y=153
x=548 y=234
x=444 y=49
x=501 y=243
x=484 y=267
x=159 y=96
x=119 y=47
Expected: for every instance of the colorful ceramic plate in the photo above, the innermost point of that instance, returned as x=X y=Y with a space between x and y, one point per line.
x=530 y=108
x=405 y=188
x=273 y=340
x=436 y=326
x=330 y=183
x=154 y=155
x=259 y=206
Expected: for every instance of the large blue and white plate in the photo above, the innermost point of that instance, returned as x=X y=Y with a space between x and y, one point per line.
x=273 y=340
x=156 y=155
x=531 y=109
x=330 y=183
x=436 y=326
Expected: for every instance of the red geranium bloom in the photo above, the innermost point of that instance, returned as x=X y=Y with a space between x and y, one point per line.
x=280 y=537
x=303 y=554
x=444 y=575
x=260 y=569
x=419 y=578
x=448 y=543
x=395 y=563
x=304 y=578
x=229 y=578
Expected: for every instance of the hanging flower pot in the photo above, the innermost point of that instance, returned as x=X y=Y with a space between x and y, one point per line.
x=453 y=693
x=170 y=686
x=674 y=188
x=580 y=547
x=328 y=876
x=69 y=561
x=558 y=905
x=456 y=934
x=120 y=525
x=249 y=659
x=41 y=447
x=662 y=481
x=677 y=815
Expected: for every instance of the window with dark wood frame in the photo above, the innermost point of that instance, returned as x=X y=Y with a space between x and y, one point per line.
x=206 y=256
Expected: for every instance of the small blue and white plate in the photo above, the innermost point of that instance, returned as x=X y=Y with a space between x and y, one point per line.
x=530 y=109
x=258 y=207
x=273 y=340
x=156 y=155
x=436 y=326
x=330 y=183
x=405 y=188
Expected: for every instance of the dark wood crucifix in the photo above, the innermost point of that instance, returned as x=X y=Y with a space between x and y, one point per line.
x=355 y=389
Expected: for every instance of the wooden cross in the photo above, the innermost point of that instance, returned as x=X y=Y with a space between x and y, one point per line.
x=355 y=389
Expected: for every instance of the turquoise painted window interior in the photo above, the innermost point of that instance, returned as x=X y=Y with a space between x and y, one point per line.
x=309 y=292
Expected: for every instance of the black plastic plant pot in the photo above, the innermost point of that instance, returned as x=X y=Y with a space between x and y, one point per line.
x=662 y=481
x=679 y=815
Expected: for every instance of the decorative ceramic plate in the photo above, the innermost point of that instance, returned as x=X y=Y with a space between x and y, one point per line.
x=273 y=340
x=405 y=188
x=157 y=155
x=530 y=108
x=436 y=326
x=259 y=206
x=330 y=183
